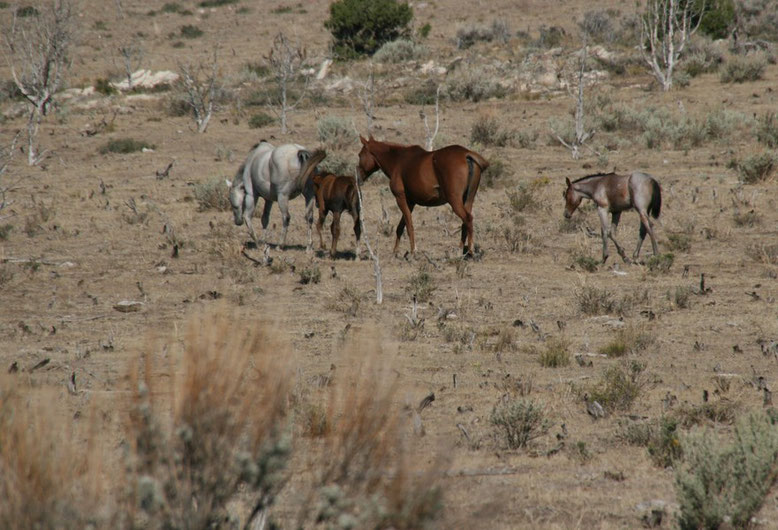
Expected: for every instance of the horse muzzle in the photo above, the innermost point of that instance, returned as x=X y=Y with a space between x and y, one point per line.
x=238 y=218
x=568 y=215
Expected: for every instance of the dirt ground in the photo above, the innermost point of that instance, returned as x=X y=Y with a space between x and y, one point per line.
x=77 y=248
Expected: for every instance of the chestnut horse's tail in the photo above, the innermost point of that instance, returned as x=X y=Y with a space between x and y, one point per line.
x=481 y=162
x=656 y=200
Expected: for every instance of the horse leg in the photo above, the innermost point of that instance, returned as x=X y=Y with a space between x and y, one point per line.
x=266 y=218
x=615 y=218
x=645 y=227
x=357 y=231
x=248 y=212
x=309 y=204
x=467 y=225
x=335 y=228
x=319 y=225
x=283 y=204
x=406 y=221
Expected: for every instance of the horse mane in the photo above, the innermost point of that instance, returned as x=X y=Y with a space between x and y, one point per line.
x=593 y=176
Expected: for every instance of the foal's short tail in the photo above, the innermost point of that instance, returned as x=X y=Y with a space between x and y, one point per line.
x=656 y=199
x=473 y=158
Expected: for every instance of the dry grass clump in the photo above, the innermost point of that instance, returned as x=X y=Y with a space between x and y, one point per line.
x=718 y=411
x=726 y=483
x=474 y=83
x=336 y=133
x=49 y=476
x=222 y=433
x=660 y=437
x=629 y=339
x=755 y=168
x=212 y=194
x=486 y=131
x=497 y=31
x=619 y=386
x=556 y=353
x=398 y=51
x=660 y=263
x=421 y=286
x=595 y=301
x=767 y=129
x=519 y=421
x=361 y=473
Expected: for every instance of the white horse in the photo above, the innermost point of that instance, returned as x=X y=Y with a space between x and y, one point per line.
x=275 y=174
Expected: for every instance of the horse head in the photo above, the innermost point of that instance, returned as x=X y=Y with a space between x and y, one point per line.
x=237 y=197
x=367 y=162
x=572 y=198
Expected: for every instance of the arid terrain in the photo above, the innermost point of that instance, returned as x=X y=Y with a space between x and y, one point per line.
x=531 y=317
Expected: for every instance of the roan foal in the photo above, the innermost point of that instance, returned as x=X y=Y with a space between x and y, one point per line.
x=613 y=193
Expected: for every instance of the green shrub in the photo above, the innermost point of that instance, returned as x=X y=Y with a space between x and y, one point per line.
x=125 y=146
x=474 y=84
x=216 y=3
x=486 y=131
x=619 y=387
x=739 y=69
x=398 y=51
x=629 y=339
x=556 y=354
x=212 y=194
x=26 y=11
x=190 y=31
x=497 y=173
x=756 y=168
x=310 y=274
x=718 y=19
x=424 y=31
x=468 y=35
x=421 y=286
x=727 y=483
x=257 y=121
x=423 y=95
x=336 y=133
x=660 y=263
x=767 y=130
x=519 y=422
x=5 y=231
x=104 y=87
x=171 y=7
x=679 y=241
x=361 y=27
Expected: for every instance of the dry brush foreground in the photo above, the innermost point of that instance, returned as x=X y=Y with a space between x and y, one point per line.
x=566 y=393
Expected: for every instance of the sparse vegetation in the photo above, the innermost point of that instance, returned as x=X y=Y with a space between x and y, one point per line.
x=125 y=146
x=310 y=274
x=629 y=339
x=555 y=354
x=486 y=131
x=726 y=483
x=594 y=300
x=742 y=69
x=519 y=421
x=660 y=263
x=497 y=31
x=619 y=386
x=767 y=130
x=421 y=286
x=474 y=83
x=190 y=31
x=754 y=169
x=212 y=194
x=335 y=133
x=260 y=119
x=398 y=51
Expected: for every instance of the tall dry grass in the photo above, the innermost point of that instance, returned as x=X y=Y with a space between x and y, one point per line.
x=360 y=469
x=215 y=429
x=49 y=476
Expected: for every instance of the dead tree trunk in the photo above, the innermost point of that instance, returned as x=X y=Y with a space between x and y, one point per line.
x=379 y=288
x=581 y=134
x=430 y=135
x=286 y=62
x=201 y=89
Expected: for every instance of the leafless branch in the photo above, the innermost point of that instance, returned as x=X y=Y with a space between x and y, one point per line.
x=6 y=155
x=202 y=88
x=379 y=289
x=366 y=94
x=665 y=29
x=286 y=61
x=581 y=134
x=430 y=135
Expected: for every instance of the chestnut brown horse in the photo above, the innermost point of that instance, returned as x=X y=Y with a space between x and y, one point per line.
x=613 y=193
x=336 y=194
x=427 y=178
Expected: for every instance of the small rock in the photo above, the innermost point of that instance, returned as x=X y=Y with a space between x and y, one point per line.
x=129 y=306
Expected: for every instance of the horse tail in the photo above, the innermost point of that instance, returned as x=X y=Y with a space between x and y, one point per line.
x=308 y=163
x=353 y=199
x=656 y=199
x=473 y=159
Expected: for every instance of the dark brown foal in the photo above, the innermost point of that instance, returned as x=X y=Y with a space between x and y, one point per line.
x=336 y=194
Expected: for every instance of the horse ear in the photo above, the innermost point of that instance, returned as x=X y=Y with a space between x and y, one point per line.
x=370 y=137
x=567 y=180
x=362 y=139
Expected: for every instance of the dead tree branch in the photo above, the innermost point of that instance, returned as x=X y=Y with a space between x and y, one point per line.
x=366 y=94
x=6 y=155
x=202 y=89
x=581 y=134
x=37 y=51
x=379 y=289
x=430 y=135
x=286 y=62
x=665 y=29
